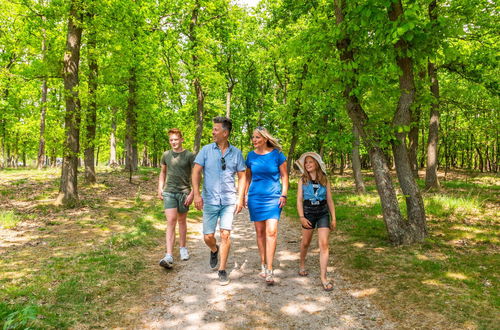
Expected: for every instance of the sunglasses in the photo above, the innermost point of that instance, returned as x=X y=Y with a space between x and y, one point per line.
x=223 y=163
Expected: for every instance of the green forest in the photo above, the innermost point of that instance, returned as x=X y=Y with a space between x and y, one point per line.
x=399 y=97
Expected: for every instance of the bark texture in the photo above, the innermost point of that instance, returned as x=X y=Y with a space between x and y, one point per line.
x=91 y=117
x=131 y=160
x=402 y=118
x=198 y=88
x=68 y=192
x=295 y=120
x=356 y=163
x=112 y=141
x=431 y=178
x=43 y=109
x=399 y=230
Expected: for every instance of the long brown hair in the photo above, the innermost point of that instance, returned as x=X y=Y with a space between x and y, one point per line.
x=320 y=176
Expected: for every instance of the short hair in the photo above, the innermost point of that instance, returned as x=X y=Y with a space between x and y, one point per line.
x=175 y=131
x=227 y=123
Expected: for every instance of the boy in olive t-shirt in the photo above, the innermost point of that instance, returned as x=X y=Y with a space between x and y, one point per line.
x=174 y=188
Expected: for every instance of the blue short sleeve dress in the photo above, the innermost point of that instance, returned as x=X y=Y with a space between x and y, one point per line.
x=265 y=188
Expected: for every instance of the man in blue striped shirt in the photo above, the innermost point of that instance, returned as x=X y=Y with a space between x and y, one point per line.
x=219 y=162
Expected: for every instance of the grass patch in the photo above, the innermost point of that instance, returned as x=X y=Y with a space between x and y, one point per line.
x=80 y=288
x=452 y=277
x=61 y=281
x=9 y=219
x=442 y=205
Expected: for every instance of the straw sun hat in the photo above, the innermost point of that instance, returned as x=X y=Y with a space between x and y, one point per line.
x=301 y=160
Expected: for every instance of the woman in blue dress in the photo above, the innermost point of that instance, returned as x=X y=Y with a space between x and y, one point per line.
x=266 y=196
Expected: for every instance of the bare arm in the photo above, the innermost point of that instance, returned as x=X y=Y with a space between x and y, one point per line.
x=161 y=180
x=284 y=183
x=300 y=206
x=196 y=179
x=241 y=192
x=331 y=206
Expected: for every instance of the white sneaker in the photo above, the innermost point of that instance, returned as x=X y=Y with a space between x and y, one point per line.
x=184 y=253
x=167 y=261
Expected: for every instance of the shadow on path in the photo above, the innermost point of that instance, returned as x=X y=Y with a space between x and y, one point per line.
x=194 y=299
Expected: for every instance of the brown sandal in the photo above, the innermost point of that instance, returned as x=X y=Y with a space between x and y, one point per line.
x=303 y=272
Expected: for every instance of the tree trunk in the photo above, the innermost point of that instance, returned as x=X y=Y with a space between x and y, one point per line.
x=145 y=158
x=112 y=141
x=402 y=118
x=91 y=117
x=43 y=110
x=399 y=230
x=97 y=156
x=200 y=101
x=413 y=141
x=229 y=95
x=68 y=192
x=356 y=163
x=481 y=161
x=200 y=97
x=131 y=160
x=431 y=178
x=295 y=120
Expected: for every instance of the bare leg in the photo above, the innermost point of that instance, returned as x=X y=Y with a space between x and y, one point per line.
x=307 y=235
x=271 y=238
x=171 y=215
x=210 y=241
x=181 y=219
x=260 y=230
x=323 y=234
x=225 y=244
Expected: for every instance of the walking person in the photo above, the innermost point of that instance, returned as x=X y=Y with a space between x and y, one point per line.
x=219 y=162
x=174 y=188
x=316 y=210
x=266 y=165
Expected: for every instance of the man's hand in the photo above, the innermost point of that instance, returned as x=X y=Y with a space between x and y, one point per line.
x=198 y=202
x=189 y=199
x=160 y=194
x=239 y=206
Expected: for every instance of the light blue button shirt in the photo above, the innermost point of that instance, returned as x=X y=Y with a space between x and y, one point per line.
x=218 y=185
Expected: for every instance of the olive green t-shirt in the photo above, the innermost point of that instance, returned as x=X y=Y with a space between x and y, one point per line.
x=179 y=165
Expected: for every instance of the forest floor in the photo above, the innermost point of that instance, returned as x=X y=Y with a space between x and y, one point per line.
x=97 y=265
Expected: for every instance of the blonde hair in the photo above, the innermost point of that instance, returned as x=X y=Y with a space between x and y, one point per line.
x=272 y=142
x=320 y=176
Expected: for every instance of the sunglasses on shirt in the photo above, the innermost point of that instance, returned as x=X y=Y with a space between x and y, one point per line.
x=223 y=163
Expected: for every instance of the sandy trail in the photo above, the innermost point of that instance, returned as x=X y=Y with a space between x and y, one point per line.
x=192 y=298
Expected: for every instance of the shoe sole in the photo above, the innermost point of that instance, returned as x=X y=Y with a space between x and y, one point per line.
x=184 y=259
x=225 y=283
x=166 y=265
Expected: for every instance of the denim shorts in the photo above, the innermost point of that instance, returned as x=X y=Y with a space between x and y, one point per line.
x=175 y=201
x=212 y=213
x=318 y=222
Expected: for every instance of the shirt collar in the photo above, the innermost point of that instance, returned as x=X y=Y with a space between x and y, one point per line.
x=229 y=147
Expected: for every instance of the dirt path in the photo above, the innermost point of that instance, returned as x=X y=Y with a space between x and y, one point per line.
x=194 y=299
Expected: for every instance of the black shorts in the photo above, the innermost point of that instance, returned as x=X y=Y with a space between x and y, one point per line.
x=322 y=221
